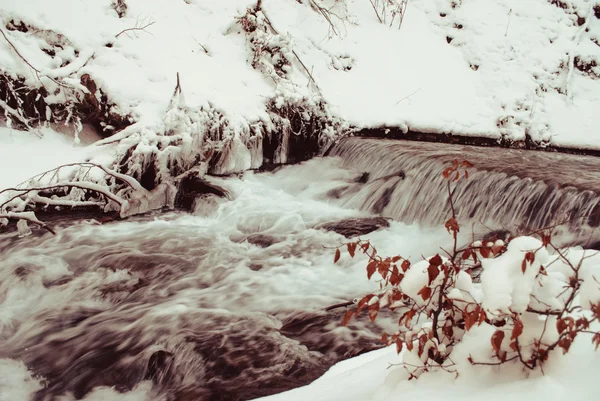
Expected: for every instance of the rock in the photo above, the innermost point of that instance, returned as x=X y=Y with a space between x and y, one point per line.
x=354 y=227
x=191 y=186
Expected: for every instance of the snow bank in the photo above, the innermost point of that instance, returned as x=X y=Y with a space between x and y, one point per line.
x=507 y=68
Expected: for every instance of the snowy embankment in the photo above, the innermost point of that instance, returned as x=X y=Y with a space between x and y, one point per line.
x=486 y=68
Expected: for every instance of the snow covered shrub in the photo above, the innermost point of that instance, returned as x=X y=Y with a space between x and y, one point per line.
x=533 y=297
x=390 y=11
x=49 y=88
x=300 y=121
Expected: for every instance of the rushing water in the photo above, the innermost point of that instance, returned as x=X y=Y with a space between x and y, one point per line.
x=517 y=190
x=227 y=304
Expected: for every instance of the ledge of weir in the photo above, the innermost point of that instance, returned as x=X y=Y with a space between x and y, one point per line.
x=387 y=132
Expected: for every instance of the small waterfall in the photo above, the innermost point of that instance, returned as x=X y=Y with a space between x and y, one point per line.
x=506 y=188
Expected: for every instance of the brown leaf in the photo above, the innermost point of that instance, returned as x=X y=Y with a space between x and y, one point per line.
x=514 y=346
x=371 y=268
x=546 y=238
x=395 y=277
x=452 y=225
x=448 y=331
x=405 y=265
x=363 y=302
x=582 y=323
x=447 y=172
x=365 y=247
x=384 y=268
x=466 y=164
x=485 y=252
x=467 y=254
x=373 y=311
x=565 y=344
x=396 y=258
x=467 y=175
x=564 y=324
x=596 y=340
x=470 y=320
x=425 y=293
x=337 y=255
x=398 y=346
x=524 y=266
x=456 y=176
x=530 y=257
x=406 y=318
x=351 y=248
x=347 y=316
x=432 y=273
x=517 y=329
x=482 y=316
x=384 y=338
x=436 y=260
x=496 y=341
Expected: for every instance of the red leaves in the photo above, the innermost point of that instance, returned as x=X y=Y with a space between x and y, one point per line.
x=596 y=340
x=436 y=260
x=454 y=170
x=351 y=248
x=406 y=318
x=405 y=265
x=347 y=316
x=564 y=324
x=485 y=251
x=395 y=277
x=337 y=256
x=477 y=316
x=529 y=257
x=432 y=273
x=398 y=346
x=425 y=293
x=496 y=341
x=565 y=344
x=373 y=311
x=452 y=225
x=371 y=268
x=546 y=238
x=517 y=329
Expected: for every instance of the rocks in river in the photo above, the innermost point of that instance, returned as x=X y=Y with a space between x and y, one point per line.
x=261 y=240
x=350 y=228
x=192 y=186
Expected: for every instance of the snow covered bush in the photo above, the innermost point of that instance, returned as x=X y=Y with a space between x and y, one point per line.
x=300 y=120
x=389 y=12
x=533 y=297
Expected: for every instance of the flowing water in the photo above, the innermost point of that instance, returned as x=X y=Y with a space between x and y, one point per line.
x=228 y=303
x=516 y=190
x=225 y=304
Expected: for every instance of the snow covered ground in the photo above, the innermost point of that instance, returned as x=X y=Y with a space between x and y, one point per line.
x=512 y=67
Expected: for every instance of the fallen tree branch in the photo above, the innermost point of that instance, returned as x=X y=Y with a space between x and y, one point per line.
x=27 y=216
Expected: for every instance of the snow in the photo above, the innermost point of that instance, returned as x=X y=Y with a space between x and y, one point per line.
x=25 y=154
x=509 y=69
x=373 y=377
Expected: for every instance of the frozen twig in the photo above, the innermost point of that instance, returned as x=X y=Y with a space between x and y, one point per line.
x=139 y=26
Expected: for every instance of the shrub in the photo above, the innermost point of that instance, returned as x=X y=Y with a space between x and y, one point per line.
x=535 y=297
